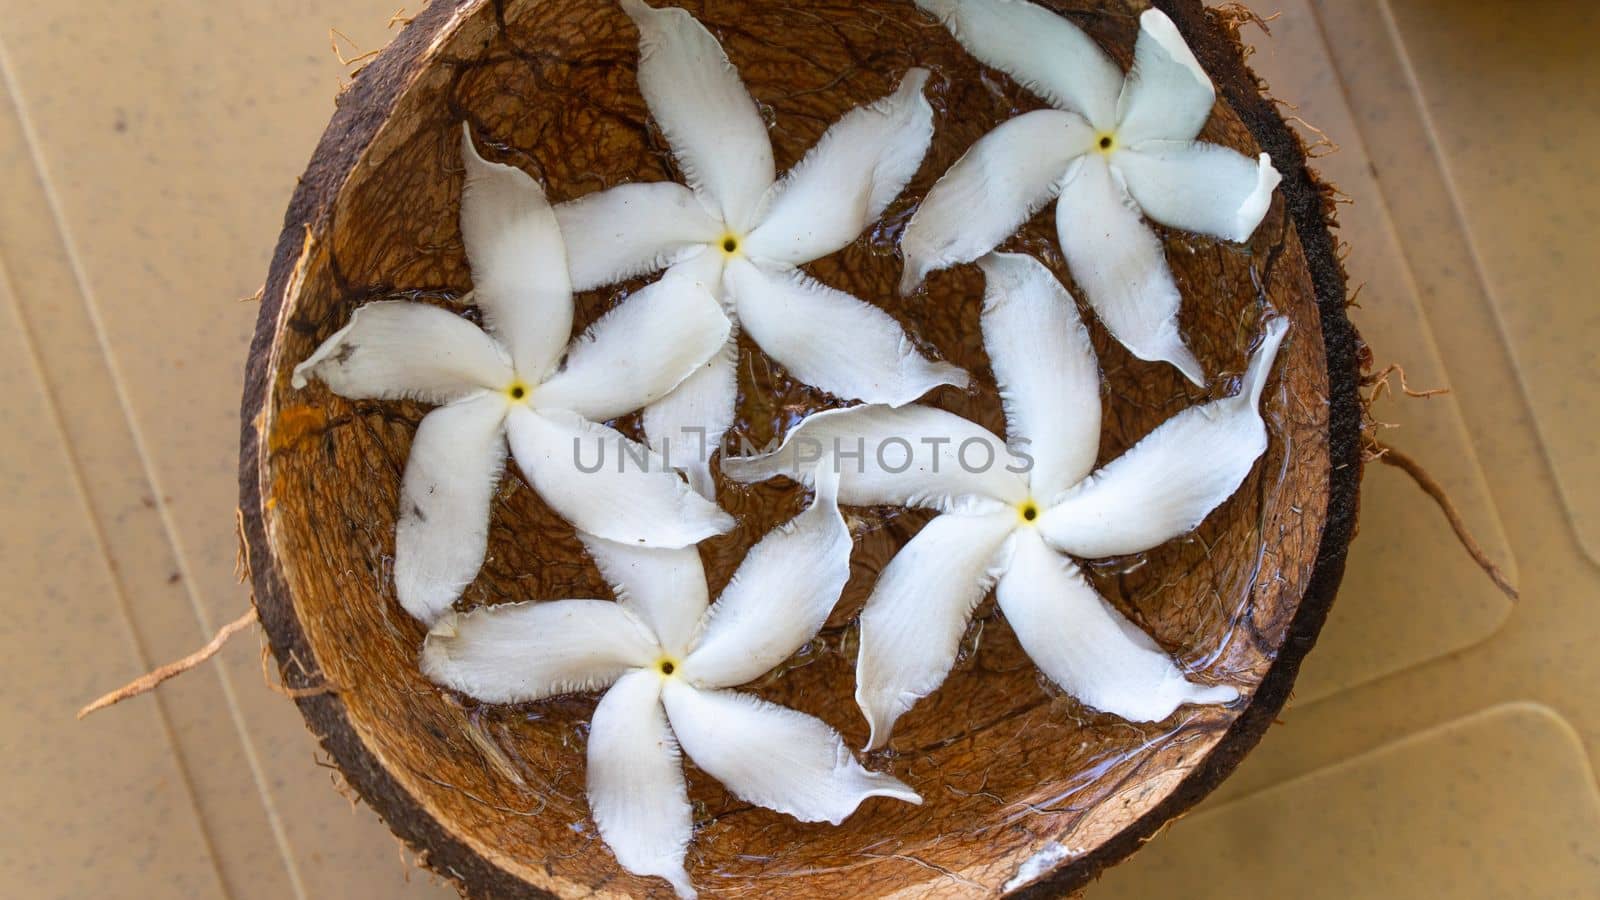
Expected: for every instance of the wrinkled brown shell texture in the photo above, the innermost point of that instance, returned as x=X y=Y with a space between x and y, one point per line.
x=1008 y=766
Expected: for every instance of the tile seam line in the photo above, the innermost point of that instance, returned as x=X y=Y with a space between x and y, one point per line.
x=80 y=277
x=97 y=531
x=1479 y=269
x=1428 y=335
x=1472 y=718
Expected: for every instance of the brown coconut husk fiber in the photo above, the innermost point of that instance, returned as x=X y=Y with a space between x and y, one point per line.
x=492 y=797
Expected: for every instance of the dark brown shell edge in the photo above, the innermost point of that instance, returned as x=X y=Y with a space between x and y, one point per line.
x=1224 y=59
x=361 y=111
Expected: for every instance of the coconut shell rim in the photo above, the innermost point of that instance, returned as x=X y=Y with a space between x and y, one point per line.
x=361 y=111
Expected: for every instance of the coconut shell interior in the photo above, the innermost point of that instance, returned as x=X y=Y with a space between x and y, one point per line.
x=1007 y=764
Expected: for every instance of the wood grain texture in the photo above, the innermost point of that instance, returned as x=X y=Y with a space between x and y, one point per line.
x=493 y=796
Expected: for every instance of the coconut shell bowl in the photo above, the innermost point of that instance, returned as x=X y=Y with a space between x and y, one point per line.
x=1025 y=789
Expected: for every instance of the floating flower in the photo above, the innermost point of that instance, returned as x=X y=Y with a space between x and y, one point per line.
x=1007 y=516
x=1112 y=148
x=742 y=233
x=511 y=382
x=668 y=660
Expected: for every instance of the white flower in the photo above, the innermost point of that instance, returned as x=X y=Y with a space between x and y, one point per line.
x=1112 y=148
x=668 y=660
x=1005 y=520
x=742 y=233
x=510 y=382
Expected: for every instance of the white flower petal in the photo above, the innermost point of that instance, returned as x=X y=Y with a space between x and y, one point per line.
x=907 y=456
x=830 y=339
x=780 y=596
x=665 y=588
x=716 y=132
x=630 y=496
x=1200 y=187
x=844 y=183
x=632 y=230
x=637 y=793
x=456 y=461
x=527 y=651
x=912 y=625
x=686 y=426
x=705 y=269
x=1044 y=52
x=1088 y=648
x=773 y=756
x=998 y=184
x=1167 y=95
x=639 y=351
x=393 y=349
x=1121 y=266
x=1173 y=478
x=1046 y=369
x=519 y=263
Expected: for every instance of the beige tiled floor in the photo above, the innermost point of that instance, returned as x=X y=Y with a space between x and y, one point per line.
x=1441 y=743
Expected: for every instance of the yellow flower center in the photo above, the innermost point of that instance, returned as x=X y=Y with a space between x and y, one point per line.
x=517 y=391
x=666 y=667
x=1106 y=143
x=729 y=244
x=1028 y=511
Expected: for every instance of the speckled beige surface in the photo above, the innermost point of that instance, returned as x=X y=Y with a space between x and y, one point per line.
x=1442 y=741
x=1491 y=805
